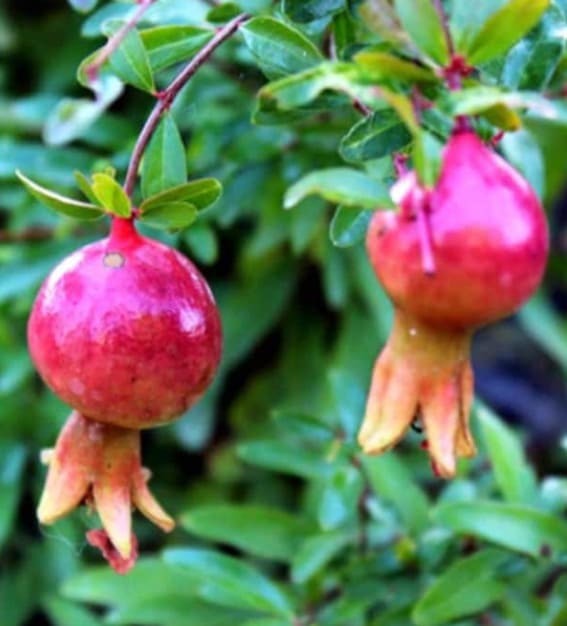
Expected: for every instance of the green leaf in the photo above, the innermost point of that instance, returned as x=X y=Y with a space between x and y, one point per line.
x=174 y=609
x=514 y=476
x=468 y=587
x=384 y=65
x=374 y=137
x=302 y=426
x=504 y=28
x=84 y=184
x=348 y=226
x=279 y=48
x=164 y=163
x=170 y=215
x=545 y=326
x=61 y=204
x=201 y=193
x=203 y=243
x=70 y=119
x=393 y=483
x=262 y=531
x=111 y=195
x=427 y=154
x=227 y=581
x=149 y=579
x=513 y=526
x=65 y=613
x=223 y=13
x=341 y=492
x=130 y=61
x=342 y=185
x=284 y=457
x=315 y=553
x=167 y=45
x=300 y=89
x=12 y=458
x=532 y=62
x=421 y=21
x=309 y=10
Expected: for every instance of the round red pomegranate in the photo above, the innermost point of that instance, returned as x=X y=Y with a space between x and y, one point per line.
x=463 y=254
x=126 y=331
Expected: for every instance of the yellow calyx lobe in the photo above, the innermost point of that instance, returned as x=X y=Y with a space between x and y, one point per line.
x=424 y=371
x=100 y=464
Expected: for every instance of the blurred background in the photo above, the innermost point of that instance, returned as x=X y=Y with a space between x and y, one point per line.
x=303 y=319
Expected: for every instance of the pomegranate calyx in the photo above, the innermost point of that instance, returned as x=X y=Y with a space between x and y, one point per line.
x=101 y=464
x=423 y=370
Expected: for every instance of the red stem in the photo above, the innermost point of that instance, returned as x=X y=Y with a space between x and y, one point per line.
x=166 y=97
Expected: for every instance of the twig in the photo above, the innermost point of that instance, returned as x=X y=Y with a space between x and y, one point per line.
x=114 y=42
x=438 y=4
x=166 y=97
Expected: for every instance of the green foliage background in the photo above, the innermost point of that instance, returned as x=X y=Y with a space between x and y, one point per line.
x=282 y=522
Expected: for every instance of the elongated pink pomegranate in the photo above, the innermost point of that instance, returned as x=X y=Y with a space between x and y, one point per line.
x=466 y=253
x=126 y=331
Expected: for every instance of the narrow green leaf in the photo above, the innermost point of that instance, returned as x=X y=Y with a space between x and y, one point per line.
x=513 y=475
x=384 y=65
x=302 y=88
x=348 y=226
x=302 y=426
x=309 y=10
x=315 y=553
x=285 y=458
x=167 y=45
x=421 y=21
x=504 y=28
x=130 y=61
x=513 y=526
x=393 y=483
x=262 y=531
x=466 y=588
x=279 y=48
x=170 y=215
x=342 y=185
x=111 y=195
x=201 y=193
x=374 y=137
x=532 y=62
x=61 y=204
x=227 y=581
x=164 y=163
x=84 y=184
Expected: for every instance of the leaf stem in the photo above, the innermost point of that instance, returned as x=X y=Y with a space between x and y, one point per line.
x=114 y=42
x=166 y=97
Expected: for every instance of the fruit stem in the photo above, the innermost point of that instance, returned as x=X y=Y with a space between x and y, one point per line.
x=166 y=97
x=122 y=229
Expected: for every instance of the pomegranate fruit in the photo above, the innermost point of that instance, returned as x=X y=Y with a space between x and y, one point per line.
x=463 y=254
x=125 y=331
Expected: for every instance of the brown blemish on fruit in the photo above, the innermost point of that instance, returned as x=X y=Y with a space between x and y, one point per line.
x=114 y=260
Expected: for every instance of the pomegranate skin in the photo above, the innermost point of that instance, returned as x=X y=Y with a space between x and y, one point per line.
x=126 y=331
x=489 y=240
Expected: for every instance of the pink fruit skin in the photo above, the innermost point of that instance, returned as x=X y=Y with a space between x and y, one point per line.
x=489 y=240
x=126 y=331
